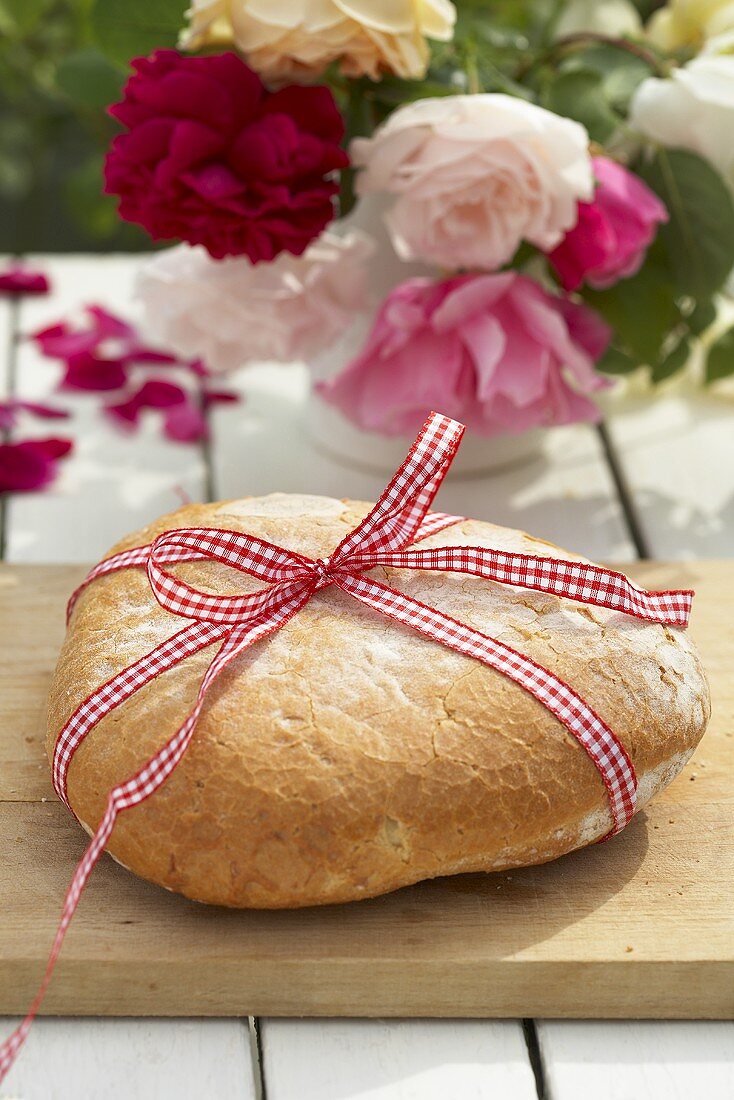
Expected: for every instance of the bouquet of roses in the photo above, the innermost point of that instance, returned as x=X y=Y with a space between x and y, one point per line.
x=562 y=175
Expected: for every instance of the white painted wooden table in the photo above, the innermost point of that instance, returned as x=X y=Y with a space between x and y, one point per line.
x=657 y=481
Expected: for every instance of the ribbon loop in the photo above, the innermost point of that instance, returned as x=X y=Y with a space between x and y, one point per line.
x=573 y=580
x=396 y=518
x=286 y=571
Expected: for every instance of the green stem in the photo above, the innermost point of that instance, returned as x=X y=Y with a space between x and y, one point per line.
x=584 y=38
x=580 y=39
x=471 y=66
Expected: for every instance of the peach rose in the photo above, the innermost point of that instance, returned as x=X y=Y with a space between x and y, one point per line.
x=291 y=39
x=474 y=175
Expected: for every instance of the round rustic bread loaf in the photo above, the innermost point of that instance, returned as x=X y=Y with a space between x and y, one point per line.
x=347 y=756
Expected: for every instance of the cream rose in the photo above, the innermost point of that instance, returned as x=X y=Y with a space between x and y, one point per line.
x=690 y=22
x=288 y=39
x=475 y=175
x=231 y=312
x=693 y=109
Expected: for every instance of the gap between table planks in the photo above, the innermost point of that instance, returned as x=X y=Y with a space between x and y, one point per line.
x=640 y=926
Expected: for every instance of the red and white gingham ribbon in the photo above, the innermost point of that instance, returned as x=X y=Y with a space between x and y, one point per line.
x=399 y=519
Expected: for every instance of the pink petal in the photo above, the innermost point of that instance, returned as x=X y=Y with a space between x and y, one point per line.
x=155 y=394
x=88 y=372
x=52 y=447
x=218 y=397
x=108 y=326
x=46 y=412
x=126 y=413
x=9 y=412
x=23 y=280
x=139 y=353
x=185 y=423
x=30 y=465
x=199 y=368
x=61 y=342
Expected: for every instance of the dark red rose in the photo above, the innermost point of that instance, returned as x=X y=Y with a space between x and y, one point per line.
x=214 y=158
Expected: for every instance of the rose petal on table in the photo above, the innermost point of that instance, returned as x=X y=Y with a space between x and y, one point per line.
x=31 y=464
x=60 y=341
x=218 y=397
x=159 y=394
x=9 y=412
x=185 y=423
x=87 y=371
x=19 y=280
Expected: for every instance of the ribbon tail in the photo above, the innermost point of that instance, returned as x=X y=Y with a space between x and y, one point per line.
x=120 y=687
x=137 y=789
x=599 y=742
x=572 y=580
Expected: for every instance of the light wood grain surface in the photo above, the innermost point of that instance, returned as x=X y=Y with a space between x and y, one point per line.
x=640 y=926
x=678 y=463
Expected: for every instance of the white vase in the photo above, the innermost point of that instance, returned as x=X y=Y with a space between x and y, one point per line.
x=334 y=435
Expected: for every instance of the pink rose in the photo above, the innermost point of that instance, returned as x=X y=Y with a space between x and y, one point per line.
x=612 y=234
x=472 y=176
x=495 y=351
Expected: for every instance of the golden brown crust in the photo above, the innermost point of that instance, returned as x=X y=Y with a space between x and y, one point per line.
x=346 y=756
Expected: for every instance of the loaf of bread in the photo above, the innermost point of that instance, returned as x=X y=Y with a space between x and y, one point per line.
x=347 y=756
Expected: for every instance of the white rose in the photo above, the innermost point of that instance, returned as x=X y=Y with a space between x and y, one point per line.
x=720 y=44
x=474 y=175
x=693 y=109
x=690 y=22
x=231 y=312
x=288 y=39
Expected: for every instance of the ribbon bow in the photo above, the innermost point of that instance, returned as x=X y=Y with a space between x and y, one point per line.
x=400 y=518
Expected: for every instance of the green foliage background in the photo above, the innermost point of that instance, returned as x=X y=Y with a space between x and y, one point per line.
x=63 y=61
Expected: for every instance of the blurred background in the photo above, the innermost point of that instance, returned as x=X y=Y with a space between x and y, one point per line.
x=63 y=61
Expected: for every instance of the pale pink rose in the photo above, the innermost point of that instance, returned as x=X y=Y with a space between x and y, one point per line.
x=610 y=239
x=298 y=39
x=497 y=352
x=230 y=312
x=475 y=175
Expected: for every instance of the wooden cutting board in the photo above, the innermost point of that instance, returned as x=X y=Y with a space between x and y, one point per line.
x=638 y=927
